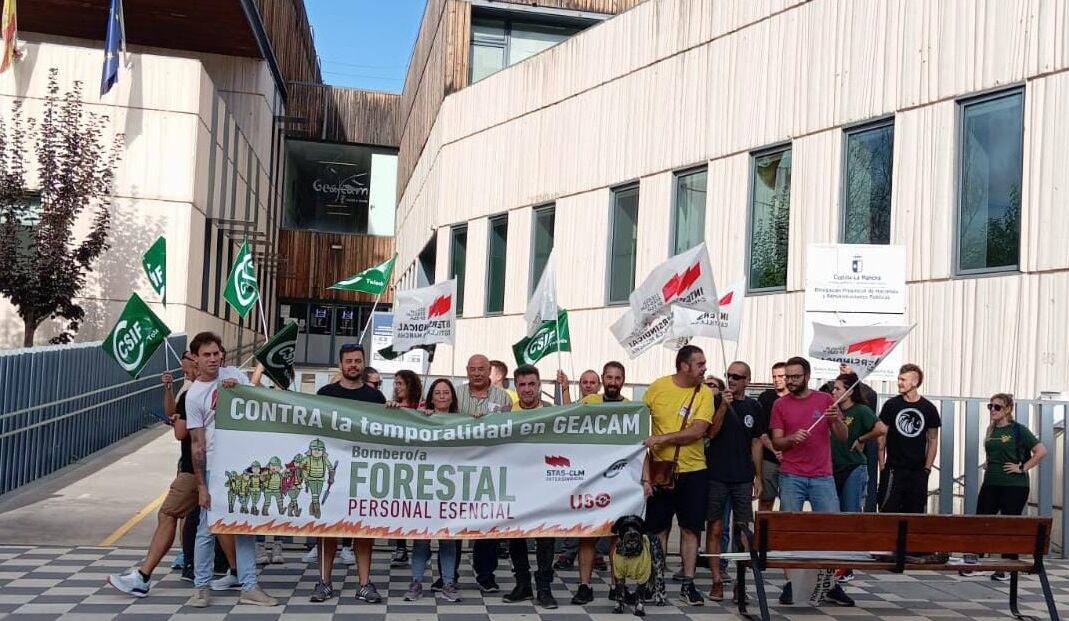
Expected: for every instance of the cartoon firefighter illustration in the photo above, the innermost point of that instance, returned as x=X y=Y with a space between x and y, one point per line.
x=292 y=482
x=255 y=477
x=237 y=488
x=317 y=469
x=272 y=484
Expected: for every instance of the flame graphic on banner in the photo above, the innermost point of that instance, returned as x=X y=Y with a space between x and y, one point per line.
x=440 y=306
x=681 y=282
x=557 y=460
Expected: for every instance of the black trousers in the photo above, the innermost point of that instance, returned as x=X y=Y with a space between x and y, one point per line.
x=1004 y=499
x=521 y=563
x=906 y=492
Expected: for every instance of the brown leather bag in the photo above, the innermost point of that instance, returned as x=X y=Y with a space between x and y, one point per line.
x=663 y=472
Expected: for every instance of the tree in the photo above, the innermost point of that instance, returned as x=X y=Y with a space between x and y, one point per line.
x=44 y=264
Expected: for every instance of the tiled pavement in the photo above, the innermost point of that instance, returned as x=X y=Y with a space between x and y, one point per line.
x=69 y=583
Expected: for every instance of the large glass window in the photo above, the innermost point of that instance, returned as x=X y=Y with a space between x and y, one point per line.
x=623 y=244
x=867 y=185
x=688 y=228
x=541 y=242
x=770 y=214
x=989 y=191
x=457 y=260
x=495 y=265
x=499 y=43
x=339 y=188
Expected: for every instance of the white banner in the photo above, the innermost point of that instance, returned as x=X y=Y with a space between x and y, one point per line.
x=863 y=348
x=542 y=306
x=636 y=338
x=684 y=280
x=334 y=467
x=724 y=323
x=424 y=316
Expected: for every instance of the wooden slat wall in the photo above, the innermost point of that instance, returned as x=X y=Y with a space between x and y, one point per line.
x=311 y=265
x=287 y=26
x=351 y=115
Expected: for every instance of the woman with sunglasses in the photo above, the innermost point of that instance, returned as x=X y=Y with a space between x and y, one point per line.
x=1011 y=450
x=441 y=399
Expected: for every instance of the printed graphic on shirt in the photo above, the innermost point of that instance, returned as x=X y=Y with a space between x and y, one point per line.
x=909 y=422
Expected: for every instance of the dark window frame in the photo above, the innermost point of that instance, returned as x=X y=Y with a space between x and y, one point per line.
x=492 y=221
x=673 y=239
x=454 y=232
x=550 y=208
x=780 y=148
x=613 y=193
x=844 y=190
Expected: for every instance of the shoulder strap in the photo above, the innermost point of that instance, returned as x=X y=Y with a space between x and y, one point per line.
x=686 y=417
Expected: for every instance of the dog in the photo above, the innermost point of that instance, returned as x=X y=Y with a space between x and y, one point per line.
x=637 y=556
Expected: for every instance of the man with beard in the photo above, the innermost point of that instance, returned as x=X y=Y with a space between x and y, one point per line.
x=806 y=467
x=529 y=388
x=591 y=550
x=770 y=456
x=351 y=385
x=909 y=438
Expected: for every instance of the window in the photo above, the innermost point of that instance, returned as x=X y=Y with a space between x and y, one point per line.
x=457 y=255
x=339 y=188
x=495 y=265
x=989 y=190
x=499 y=43
x=623 y=243
x=688 y=228
x=867 y=184
x=541 y=243
x=770 y=212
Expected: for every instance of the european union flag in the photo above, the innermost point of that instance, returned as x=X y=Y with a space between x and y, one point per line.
x=113 y=44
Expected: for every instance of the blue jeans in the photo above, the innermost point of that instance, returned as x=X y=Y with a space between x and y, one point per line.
x=447 y=559
x=794 y=490
x=855 y=489
x=204 y=556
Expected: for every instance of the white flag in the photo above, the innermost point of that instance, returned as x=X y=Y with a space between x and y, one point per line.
x=543 y=304
x=724 y=323
x=685 y=280
x=637 y=338
x=861 y=347
x=425 y=316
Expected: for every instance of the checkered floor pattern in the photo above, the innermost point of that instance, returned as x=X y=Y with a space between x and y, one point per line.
x=69 y=583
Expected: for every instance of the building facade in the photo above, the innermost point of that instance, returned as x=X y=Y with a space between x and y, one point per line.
x=758 y=128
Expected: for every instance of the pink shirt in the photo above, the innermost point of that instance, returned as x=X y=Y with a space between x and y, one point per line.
x=811 y=458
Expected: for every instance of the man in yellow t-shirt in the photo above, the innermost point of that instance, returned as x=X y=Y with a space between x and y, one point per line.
x=669 y=399
x=612 y=381
x=499 y=376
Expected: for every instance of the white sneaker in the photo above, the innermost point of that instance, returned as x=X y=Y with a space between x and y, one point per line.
x=228 y=581
x=257 y=597
x=312 y=556
x=263 y=555
x=347 y=556
x=129 y=583
x=276 y=554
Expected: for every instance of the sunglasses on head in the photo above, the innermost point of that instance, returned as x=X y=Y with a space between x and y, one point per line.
x=736 y=377
x=994 y=407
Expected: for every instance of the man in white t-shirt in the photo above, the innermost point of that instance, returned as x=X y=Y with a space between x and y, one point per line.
x=201 y=400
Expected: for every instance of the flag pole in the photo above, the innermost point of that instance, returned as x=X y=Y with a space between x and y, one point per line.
x=263 y=319
x=370 y=315
x=167 y=344
x=560 y=360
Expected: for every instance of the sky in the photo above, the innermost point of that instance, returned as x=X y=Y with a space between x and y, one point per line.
x=365 y=43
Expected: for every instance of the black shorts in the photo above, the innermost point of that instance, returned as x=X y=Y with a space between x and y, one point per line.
x=688 y=502
x=739 y=495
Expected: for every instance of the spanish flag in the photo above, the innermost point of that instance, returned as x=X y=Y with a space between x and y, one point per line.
x=10 y=31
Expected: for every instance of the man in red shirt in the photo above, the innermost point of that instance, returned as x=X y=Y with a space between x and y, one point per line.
x=802 y=424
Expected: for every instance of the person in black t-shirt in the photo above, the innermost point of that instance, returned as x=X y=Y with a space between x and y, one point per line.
x=350 y=385
x=733 y=454
x=909 y=438
x=770 y=456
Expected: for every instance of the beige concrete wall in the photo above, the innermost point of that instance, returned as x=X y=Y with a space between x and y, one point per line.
x=163 y=104
x=674 y=83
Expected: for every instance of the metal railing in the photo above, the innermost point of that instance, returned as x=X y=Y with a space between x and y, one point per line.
x=59 y=404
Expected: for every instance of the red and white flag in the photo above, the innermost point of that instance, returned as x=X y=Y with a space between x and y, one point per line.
x=636 y=337
x=861 y=347
x=425 y=316
x=685 y=280
x=724 y=323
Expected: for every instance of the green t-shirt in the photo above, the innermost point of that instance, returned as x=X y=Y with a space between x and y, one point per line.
x=1001 y=449
x=859 y=420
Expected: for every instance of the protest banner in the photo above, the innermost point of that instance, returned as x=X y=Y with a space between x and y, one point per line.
x=551 y=336
x=136 y=336
x=277 y=355
x=424 y=316
x=242 y=290
x=863 y=348
x=336 y=467
x=155 y=263
x=685 y=279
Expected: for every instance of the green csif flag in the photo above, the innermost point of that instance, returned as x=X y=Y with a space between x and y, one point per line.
x=155 y=263
x=373 y=280
x=544 y=341
x=136 y=336
x=241 y=288
x=277 y=355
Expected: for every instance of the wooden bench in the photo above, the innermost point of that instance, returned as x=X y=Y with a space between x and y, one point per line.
x=889 y=537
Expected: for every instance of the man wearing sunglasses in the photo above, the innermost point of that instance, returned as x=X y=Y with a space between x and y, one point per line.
x=909 y=438
x=350 y=385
